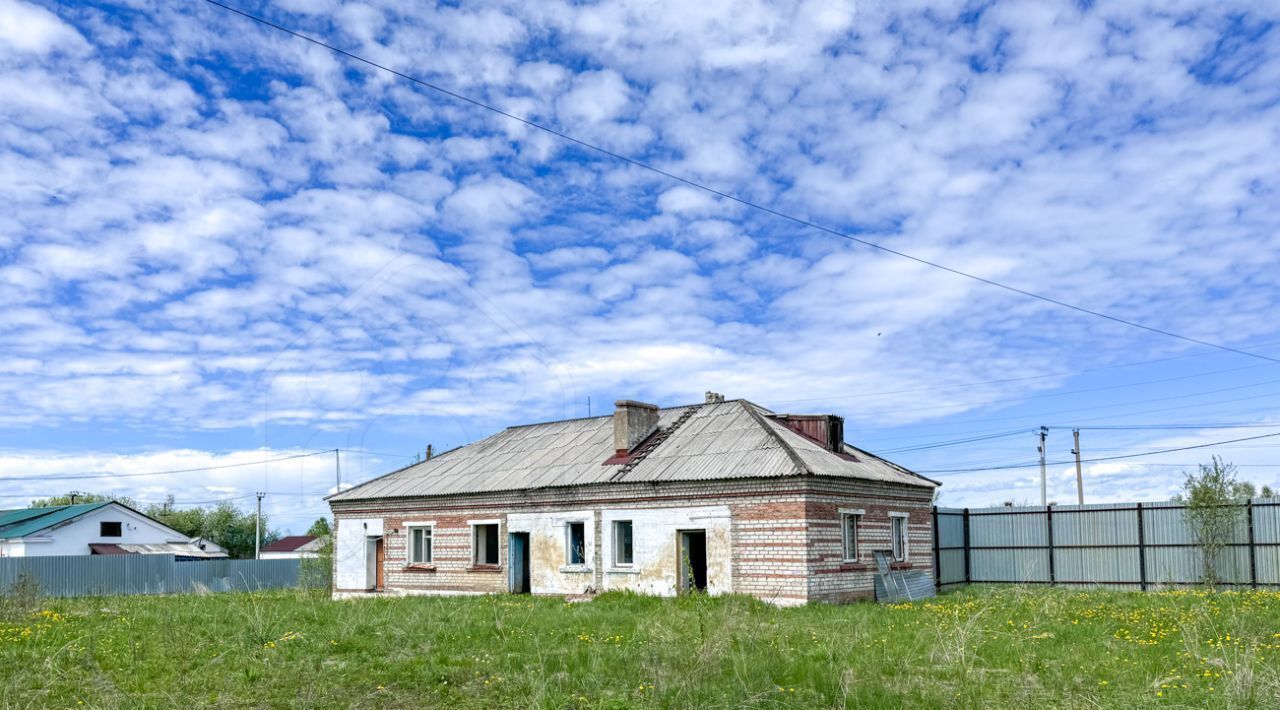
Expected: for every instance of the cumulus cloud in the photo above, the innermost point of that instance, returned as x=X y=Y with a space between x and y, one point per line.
x=25 y=27
x=235 y=235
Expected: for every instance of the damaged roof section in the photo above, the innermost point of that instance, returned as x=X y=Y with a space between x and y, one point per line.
x=718 y=440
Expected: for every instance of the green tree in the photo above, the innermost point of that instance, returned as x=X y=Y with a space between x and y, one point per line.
x=317 y=572
x=225 y=525
x=1214 y=501
x=77 y=498
x=320 y=528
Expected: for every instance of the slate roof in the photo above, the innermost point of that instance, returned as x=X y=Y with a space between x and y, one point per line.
x=28 y=521
x=723 y=440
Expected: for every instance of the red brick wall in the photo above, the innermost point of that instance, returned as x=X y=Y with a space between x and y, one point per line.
x=830 y=579
x=785 y=531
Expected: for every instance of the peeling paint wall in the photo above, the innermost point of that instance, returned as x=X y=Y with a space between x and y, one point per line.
x=655 y=542
x=350 y=551
x=775 y=539
x=549 y=568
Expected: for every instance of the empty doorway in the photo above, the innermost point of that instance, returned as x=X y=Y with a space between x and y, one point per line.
x=518 y=557
x=693 y=560
x=375 y=559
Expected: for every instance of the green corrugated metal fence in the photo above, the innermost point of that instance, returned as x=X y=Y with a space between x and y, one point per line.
x=94 y=575
x=1135 y=545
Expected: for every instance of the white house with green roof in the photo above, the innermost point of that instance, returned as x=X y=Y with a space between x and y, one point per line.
x=91 y=529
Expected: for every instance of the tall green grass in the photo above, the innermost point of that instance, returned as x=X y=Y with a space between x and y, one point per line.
x=982 y=647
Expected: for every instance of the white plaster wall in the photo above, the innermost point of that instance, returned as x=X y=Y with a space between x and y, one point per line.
x=655 y=548
x=11 y=549
x=350 y=551
x=73 y=538
x=548 y=571
x=291 y=555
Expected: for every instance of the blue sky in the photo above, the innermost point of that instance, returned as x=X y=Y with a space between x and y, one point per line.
x=221 y=244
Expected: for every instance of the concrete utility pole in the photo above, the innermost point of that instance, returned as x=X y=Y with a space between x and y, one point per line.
x=257 y=529
x=337 y=470
x=1044 y=488
x=1079 y=477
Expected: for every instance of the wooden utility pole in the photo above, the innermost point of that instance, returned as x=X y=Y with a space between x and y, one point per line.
x=1079 y=476
x=257 y=529
x=430 y=452
x=1044 y=487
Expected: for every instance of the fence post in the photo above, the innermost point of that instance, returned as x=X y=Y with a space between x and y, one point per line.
x=1048 y=522
x=937 y=556
x=1253 y=557
x=966 y=545
x=1142 y=552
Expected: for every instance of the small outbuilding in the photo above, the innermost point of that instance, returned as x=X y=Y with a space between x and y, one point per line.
x=720 y=496
x=108 y=528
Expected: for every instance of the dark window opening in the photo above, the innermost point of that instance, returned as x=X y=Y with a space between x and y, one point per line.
x=486 y=544
x=623 y=551
x=109 y=530
x=901 y=545
x=576 y=544
x=850 y=524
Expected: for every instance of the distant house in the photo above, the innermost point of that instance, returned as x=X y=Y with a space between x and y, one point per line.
x=92 y=529
x=720 y=496
x=293 y=547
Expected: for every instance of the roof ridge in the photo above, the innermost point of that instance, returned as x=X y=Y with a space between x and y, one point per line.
x=801 y=468
x=606 y=416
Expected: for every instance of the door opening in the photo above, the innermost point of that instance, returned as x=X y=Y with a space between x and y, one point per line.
x=380 y=558
x=693 y=560
x=518 y=557
x=372 y=563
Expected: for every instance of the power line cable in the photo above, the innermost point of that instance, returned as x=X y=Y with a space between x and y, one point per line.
x=1003 y=403
x=1158 y=427
x=1102 y=458
x=954 y=442
x=728 y=196
x=984 y=437
x=84 y=476
x=1036 y=415
x=1005 y=380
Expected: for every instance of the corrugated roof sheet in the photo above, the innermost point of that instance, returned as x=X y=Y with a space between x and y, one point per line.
x=723 y=440
x=179 y=549
x=21 y=523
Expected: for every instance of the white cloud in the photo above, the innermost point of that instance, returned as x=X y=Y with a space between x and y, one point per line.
x=29 y=28
x=200 y=224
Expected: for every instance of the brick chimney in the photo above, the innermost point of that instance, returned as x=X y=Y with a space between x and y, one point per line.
x=633 y=422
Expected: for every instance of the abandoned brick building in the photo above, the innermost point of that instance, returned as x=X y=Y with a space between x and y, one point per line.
x=723 y=496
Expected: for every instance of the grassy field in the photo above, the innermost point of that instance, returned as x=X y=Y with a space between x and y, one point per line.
x=979 y=647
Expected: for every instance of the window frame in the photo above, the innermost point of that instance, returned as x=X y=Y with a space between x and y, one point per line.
x=845 y=515
x=616 y=539
x=475 y=543
x=568 y=543
x=429 y=529
x=102 y=528
x=900 y=536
